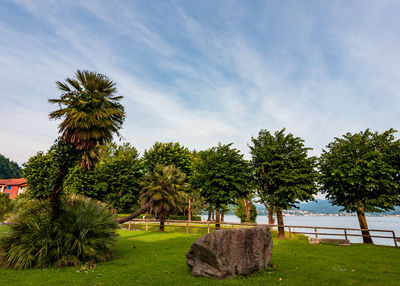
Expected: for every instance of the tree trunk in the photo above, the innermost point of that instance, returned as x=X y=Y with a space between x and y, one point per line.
x=162 y=222
x=190 y=211
x=217 y=217
x=363 y=225
x=248 y=210
x=212 y=216
x=271 y=215
x=55 y=194
x=281 y=229
x=222 y=215
x=209 y=216
x=138 y=212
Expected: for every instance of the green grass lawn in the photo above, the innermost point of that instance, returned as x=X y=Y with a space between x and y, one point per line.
x=152 y=258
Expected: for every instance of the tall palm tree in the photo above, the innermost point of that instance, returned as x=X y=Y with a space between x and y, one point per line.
x=91 y=114
x=163 y=192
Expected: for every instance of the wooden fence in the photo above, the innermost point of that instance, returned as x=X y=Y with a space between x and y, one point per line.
x=315 y=231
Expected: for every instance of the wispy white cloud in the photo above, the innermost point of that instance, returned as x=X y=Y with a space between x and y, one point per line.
x=199 y=80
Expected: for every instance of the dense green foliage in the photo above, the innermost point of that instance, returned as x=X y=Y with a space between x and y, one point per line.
x=85 y=231
x=284 y=173
x=154 y=258
x=163 y=191
x=222 y=175
x=9 y=169
x=182 y=217
x=41 y=170
x=5 y=206
x=168 y=154
x=362 y=171
x=240 y=211
x=115 y=180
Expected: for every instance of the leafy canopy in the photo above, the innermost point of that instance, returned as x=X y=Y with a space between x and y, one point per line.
x=222 y=175
x=361 y=170
x=169 y=154
x=282 y=169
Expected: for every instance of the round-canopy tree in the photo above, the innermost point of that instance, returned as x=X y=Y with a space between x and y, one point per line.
x=283 y=171
x=361 y=173
x=91 y=114
x=222 y=176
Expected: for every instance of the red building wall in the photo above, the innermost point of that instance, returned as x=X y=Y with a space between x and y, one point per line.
x=13 y=191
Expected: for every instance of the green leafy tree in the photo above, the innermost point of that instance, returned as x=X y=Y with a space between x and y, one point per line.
x=163 y=191
x=40 y=174
x=222 y=176
x=360 y=172
x=91 y=114
x=9 y=169
x=284 y=172
x=116 y=179
x=168 y=154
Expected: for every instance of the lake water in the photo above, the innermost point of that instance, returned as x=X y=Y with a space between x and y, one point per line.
x=374 y=222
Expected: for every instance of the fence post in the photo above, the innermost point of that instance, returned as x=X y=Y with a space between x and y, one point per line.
x=394 y=238
x=345 y=234
x=208 y=227
x=290 y=232
x=316 y=233
x=147 y=225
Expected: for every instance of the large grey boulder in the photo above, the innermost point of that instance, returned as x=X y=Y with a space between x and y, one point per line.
x=229 y=252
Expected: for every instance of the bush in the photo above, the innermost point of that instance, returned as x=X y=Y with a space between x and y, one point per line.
x=84 y=232
x=5 y=205
x=184 y=217
x=240 y=212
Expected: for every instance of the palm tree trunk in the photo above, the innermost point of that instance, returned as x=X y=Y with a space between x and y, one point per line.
x=138 y=212
x=271 y=214
x=189 y=210
x=363 y=225
x=281 y=229
x=55 y=194
x=217 y=221
x=162 y=221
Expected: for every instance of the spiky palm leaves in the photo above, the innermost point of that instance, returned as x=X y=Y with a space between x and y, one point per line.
x=90 y=111
x=163 y=191
x=84 y=232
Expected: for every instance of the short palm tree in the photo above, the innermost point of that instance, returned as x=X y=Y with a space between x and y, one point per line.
x=163 y=192
x=91 y=114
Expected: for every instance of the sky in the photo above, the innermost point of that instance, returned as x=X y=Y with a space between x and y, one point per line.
x=203 y=72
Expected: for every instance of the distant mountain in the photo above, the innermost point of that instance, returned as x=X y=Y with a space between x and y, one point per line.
x=9 y=169
x=321 y=207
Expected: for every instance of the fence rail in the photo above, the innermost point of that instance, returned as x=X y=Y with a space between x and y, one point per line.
x=346 y=232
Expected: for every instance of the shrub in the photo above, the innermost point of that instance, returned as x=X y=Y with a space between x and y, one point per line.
x=5 y=205
x=184 y=217
x=240 y=211
x=84 y=232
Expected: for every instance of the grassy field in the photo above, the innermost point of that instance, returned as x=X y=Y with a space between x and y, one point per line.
x=152 y=258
